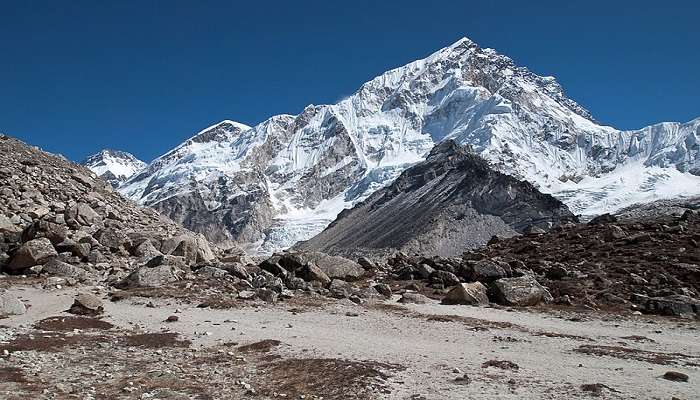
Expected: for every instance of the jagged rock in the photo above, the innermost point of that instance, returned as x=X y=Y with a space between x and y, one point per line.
x=520 y=291
x=59 y=268
x=237 y=270
x=445 y=278
x=34 y=252
x=113 y=239
x=56 y=233
x=333 y=266
x=467 y=293
x=146 y=250
x=383 y=289
x=87 y=304
x=367 y=264
x=10 y=305
x=340 y=289
x=311 y=272
x=81 y=250
x=193 y=249
x=487 y=271
x=6 y=225
x=674 y=305
x=152 y=276
x=81 y=214
x=273 y=268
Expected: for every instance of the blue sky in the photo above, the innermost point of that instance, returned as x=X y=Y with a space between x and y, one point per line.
x=142 y=76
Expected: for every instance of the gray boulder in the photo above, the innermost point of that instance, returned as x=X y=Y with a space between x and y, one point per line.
x=87 y=304
x=487 y=271
x=334 y=266
x=467 y=293
x=31 y=253
x=10 y=305
x=520 y=291
x=311 y=272
x=152 y=276
x=59 y=268
x=444 y=277
x=413 y=298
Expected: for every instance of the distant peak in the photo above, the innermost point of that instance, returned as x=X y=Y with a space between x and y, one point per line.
x=463 y=41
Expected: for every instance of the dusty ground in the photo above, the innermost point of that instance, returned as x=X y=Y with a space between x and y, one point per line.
x=338 y=350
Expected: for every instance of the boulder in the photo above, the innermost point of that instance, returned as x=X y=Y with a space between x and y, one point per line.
x=383 y=289
x=424 y=271
x=674 y=305
x=56 y=233
x=112 y=238
x=333 y=266
x=311 y=272
x=31 y=253
x=10 y=305
x=59 y=268
x=87 y=304
x=340 y=289
x=444 y=277
x=237 y=270
x=520 y=291
x=194 y=249
x=467 y=293
x=81 y=214
x=152 y=276
x=367 y=264
x=487 y=271
x=267 y=295
x=413 y=298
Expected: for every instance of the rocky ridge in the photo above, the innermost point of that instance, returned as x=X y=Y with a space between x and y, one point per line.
x=451 y=202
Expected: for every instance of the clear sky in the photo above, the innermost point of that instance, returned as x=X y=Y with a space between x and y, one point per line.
x=142 y=76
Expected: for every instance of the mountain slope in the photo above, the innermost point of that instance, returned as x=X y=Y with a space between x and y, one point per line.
x=285 y=179
x=114 y=166
x=443 y=206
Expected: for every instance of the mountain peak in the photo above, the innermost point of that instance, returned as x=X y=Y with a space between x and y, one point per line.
x=114 y=166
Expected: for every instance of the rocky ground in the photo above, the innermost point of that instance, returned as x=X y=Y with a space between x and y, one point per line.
x=100 y=298
x=307 y=347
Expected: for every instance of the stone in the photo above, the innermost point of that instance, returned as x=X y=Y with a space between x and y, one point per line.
x=246 y=294
x=146 y=249
x=193 y=248
x=487 y=271
x=675 y=376
x=521 y=291
x=383 y=289
x=31 y=253
x=424 y=271
x=467 y=293
x=273 y=268
x=81 y=214
x=152 y=276
x=10 y=305
x=267 y=295
x=60 y=268
x=172 y=318
x=413 y=298
x=333 y=266
x=237 y=270
x=87 y=304
x=367 y=264
x=673 y=305
x=311 y=272
x=112 y=238
x=340 y=289
x=444 y=277
x=6 y=225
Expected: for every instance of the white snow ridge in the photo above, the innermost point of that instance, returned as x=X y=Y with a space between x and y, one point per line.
x=114 y=166
x=285 y=179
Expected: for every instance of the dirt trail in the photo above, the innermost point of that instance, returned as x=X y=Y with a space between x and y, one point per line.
x=413 y=351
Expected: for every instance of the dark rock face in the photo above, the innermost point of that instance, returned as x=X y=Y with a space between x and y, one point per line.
x=451 y=202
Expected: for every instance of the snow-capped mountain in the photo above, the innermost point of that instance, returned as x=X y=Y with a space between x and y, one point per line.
x=285 y=179
x=114 y=166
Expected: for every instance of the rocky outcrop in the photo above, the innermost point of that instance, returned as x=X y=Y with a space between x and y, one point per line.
x=451 y=202
x=57 y=218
